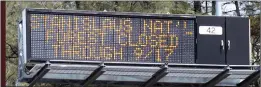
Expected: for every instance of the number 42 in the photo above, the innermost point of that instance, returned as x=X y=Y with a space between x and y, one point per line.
x=211 y=30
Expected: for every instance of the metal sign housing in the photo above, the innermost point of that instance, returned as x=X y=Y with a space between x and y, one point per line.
x=84 y=47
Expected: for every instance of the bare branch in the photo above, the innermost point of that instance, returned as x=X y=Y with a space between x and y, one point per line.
x=9 y=76
x=10 y=57
x=229 y=11
x=226 y=3
x=14 y=51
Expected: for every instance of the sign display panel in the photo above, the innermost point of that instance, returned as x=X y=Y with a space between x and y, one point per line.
x=111 y=38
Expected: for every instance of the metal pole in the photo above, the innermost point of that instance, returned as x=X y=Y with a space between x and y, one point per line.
x=3 y=41
x=218 y=8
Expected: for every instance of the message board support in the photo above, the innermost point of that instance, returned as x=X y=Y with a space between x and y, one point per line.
x=45 y=69
x=251 y=78
x=157 y=76
x=94 y=75
x=224 y=74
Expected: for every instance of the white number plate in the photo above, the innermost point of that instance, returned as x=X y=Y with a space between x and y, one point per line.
x=210 y=30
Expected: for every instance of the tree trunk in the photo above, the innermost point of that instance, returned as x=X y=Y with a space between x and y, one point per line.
x=206 y=7
x=77 y=5
x=237 y=8
x=197 y=6
x=213 y=7
x=117 y=4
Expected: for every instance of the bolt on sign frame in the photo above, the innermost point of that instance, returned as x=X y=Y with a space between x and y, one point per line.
x=86 y=47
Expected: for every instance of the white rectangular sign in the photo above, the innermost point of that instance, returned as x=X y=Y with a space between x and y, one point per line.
x=210 y=30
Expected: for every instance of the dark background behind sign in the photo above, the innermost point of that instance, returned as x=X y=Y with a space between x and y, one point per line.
x=111 y=38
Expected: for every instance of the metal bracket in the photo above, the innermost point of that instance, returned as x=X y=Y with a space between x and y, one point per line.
x=94 y=75
x=157 y=76
x=45 y=69
x=224 y=74
x=254 y=76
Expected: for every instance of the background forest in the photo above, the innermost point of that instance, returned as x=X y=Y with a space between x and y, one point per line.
x=250 y=9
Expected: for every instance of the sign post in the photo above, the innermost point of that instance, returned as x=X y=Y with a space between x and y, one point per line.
x=3 y=41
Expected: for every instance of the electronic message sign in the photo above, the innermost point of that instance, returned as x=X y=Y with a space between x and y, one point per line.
x=111 y=38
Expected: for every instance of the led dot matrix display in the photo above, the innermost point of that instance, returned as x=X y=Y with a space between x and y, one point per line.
x=111 y=38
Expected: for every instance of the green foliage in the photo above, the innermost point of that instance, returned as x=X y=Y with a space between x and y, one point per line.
x=255 y=38
x=137 y=6
x=181 y=8
x=13 y=13
x=255 y=25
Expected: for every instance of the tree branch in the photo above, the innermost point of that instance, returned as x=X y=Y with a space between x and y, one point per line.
x=11 y=57
x=14 y=51
x=225 y=3
x=237 y=8
x=9 y=76
x=229 y=11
